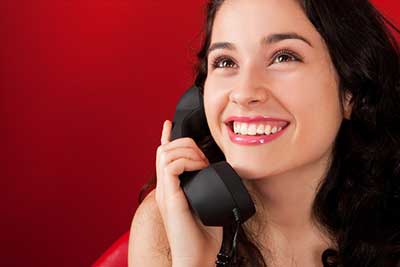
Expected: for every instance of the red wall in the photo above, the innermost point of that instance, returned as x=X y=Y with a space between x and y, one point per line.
x=84 y=89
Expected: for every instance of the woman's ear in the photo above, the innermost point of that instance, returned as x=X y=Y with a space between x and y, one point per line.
x=348 y=105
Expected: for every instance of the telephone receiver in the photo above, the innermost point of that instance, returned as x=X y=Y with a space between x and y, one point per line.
x=216 y=194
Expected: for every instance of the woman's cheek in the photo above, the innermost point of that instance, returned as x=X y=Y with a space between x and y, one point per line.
x=215 y=92
x=210 y=107
x=215 y=103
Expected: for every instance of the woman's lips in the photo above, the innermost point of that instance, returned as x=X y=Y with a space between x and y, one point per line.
x=256 y=119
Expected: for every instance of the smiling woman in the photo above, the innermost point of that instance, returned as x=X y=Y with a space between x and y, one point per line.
x=302 y=99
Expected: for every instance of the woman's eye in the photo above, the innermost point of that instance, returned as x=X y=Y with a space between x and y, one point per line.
x=281 y=56
x=284 y=56
x=223 y=63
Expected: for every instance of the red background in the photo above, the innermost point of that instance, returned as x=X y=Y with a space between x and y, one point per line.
x=84 y=88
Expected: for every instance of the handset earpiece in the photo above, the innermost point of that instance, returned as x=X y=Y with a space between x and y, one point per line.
x=190 y=118
x=216 y=193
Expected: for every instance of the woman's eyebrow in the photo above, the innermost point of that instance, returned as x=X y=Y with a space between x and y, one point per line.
x=270 y=39
x=277 y=37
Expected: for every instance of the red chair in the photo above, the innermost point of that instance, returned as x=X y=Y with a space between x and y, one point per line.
x=116 y=255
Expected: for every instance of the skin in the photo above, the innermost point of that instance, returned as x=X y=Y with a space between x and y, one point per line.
x=282 y=175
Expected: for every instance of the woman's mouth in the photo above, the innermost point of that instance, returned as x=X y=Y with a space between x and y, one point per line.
x=255 y=132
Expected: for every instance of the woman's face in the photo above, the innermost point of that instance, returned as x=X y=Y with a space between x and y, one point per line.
x=272 y=64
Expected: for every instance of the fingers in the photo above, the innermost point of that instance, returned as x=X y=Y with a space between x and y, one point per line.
x=182 y=152
x=181 y=165
x=175 y=168
x=166 y=165
x=172 y=159
x=185 y=142
x=166 y=132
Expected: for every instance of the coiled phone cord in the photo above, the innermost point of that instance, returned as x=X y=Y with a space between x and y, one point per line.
x=224 y=260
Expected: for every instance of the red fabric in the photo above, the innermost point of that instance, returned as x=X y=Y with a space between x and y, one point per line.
x=116 y=255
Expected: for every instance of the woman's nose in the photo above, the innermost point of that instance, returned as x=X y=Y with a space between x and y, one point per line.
x=249 y=91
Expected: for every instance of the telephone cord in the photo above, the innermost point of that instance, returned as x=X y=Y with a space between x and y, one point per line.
x=224 y=260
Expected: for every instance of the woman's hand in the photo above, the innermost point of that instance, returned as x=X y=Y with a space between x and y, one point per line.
x=191 y=243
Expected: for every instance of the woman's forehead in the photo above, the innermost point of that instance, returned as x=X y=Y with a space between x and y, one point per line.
x=239 y=18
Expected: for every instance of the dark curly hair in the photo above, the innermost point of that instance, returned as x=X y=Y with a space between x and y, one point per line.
x=358 y=202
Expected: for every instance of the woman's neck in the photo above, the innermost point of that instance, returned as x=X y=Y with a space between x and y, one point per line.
x=285 y=201
x=284 y=221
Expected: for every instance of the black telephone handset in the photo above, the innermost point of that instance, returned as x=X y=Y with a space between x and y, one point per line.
x=216 y=193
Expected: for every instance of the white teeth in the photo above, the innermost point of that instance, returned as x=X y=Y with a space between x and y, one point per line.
x=252 y=130
x=267 y=130
x=243 y=128
x=236 y=127
x=260 y=129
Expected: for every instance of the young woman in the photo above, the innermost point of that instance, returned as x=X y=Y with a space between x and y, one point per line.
x=323 y=76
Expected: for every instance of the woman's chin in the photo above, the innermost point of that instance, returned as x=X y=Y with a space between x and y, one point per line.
x=253 y=168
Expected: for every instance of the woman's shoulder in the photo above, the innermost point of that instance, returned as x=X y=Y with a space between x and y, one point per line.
x=148 y=243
